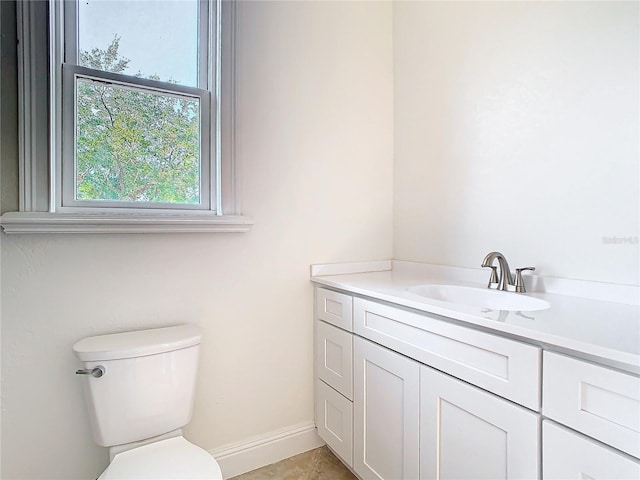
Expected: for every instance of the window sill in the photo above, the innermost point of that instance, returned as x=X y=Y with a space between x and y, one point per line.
x=45 y=222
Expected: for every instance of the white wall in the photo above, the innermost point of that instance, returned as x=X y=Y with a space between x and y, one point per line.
x=315 y=146
x=516 y=129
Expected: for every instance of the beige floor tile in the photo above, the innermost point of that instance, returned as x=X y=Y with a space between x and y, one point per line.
x=318 y=464
x=328 y=467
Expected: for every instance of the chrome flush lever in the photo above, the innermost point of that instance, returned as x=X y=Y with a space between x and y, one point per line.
x=519 y=280
x=95 y=371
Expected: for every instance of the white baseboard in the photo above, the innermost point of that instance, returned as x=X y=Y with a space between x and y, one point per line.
x=256 y=452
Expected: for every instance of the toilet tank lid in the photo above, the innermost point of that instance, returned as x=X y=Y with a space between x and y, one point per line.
x=137 y=344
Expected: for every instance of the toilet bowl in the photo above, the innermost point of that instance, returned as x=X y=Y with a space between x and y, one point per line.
x=171 y=459
x=139 y=390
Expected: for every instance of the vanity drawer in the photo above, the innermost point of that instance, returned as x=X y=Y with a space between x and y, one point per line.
x=335 y=308
x=334 y=358
x=334 y=419
x=505 y=367
x=567 y=454
x=598 y=401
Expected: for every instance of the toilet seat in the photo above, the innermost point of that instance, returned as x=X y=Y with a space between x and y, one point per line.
x=171 y=459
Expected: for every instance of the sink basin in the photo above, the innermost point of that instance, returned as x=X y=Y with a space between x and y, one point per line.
x=480 y=297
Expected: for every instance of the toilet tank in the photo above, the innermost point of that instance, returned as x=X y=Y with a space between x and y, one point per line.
x=148 y=384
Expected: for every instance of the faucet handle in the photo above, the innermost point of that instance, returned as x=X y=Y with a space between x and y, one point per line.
x=494 y=275
x=519 y=281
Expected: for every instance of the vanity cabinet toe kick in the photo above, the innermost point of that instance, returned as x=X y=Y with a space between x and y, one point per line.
x=412 y=396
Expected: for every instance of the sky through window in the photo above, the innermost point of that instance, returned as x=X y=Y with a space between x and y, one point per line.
x=159 y=37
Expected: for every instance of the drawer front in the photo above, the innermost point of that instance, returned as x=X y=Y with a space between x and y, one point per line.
x=335 y=308
x=505 y=367
x=567 y=454
x=595 y=400
x=334 y=358
x=334 y=419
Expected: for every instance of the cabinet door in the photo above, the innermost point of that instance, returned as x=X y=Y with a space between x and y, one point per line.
x=386 y=413
x=334 y=419
x=569 y=455
x=468 y=433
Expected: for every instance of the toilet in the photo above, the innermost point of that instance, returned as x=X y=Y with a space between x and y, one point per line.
x=139 y=389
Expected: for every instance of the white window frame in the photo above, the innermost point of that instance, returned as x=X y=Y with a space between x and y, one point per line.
x=46 y=205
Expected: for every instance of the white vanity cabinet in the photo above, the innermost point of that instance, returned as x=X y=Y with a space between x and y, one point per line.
x=406 y=395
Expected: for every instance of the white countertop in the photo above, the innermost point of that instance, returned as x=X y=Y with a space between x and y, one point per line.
x=606 y=330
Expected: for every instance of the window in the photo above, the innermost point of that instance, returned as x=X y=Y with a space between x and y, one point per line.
x=138 y=99
x=135 y=126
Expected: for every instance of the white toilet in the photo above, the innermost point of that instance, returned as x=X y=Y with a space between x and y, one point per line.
x=139 y=389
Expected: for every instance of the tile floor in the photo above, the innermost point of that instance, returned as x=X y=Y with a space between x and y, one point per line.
x=318 y=464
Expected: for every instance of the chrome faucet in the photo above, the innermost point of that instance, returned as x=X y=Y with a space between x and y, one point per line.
x=505 y=278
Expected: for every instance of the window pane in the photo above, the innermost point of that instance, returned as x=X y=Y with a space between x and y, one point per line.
x=155 y=39
x=136 y=145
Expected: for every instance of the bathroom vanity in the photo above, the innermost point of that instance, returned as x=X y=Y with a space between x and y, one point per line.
x=409 y=387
